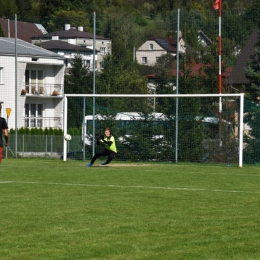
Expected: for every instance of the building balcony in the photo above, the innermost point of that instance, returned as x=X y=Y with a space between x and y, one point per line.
x=43 y=122
x=45 y=90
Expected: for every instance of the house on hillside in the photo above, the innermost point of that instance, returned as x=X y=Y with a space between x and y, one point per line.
x=238 y=77
x=78 y=37
x=24 y=30
x=39 y=86
x=69 y=51
x=149 y=52
x=203 y=39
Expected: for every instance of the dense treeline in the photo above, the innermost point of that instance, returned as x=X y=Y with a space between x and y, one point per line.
x=129 y=23
x=40 y=9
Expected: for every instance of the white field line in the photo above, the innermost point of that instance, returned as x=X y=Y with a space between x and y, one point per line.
x=127 y=187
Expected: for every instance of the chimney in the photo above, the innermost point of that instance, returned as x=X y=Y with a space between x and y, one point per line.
x=80 y=28
x=67 y=27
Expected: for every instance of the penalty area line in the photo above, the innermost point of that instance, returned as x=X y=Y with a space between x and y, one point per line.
x=127 y=187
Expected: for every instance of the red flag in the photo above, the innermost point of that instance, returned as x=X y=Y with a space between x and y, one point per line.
x=216 y=5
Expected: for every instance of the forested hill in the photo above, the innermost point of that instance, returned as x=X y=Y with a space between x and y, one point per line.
x=41 y=9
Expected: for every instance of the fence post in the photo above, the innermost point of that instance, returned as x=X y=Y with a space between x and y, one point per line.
x=46 y=144
x=23 y=144
x=51 y=146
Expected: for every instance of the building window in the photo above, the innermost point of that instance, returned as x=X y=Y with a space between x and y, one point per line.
x=33 y=81
x=1 y=75
x=33 y=115
x=101 y=65
x=86 y=63
x=103 y=50
x=144 y=60
x=151 y=47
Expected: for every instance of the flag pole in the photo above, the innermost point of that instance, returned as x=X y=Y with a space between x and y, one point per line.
x=219 y=49
x=220 y=79
x=218 y=6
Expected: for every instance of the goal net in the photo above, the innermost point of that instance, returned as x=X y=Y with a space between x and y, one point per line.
x=206 y=128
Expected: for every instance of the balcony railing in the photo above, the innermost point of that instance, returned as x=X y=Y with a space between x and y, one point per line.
x=43 y=122
x=42 y=89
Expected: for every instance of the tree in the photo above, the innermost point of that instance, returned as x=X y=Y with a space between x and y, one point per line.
x=76 y=18
x=164 y=6
x=239 y=6
x=252 y=14
x=8 y=9
x=48 y=7
x=78 y=81
x=252 y=117
x=117 y=79
x=25 y=9
x=253 y=74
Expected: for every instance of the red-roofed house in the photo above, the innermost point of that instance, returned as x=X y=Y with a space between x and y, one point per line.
x=196 y=70
x=24 y=30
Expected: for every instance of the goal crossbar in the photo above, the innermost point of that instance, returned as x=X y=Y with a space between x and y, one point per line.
x=156 y=95
x=241 y=114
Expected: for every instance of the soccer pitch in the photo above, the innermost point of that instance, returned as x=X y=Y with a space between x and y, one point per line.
x=52 y=209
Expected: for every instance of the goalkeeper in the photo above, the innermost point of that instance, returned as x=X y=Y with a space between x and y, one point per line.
x=109 y=150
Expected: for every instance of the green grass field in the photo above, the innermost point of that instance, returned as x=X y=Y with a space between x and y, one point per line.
x=52 y=209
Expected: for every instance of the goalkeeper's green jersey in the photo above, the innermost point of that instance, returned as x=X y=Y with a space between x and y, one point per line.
x=111 y=147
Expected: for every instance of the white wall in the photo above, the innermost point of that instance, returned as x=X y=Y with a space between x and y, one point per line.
x=54 y=74
x=157 y=51
x=151 y=55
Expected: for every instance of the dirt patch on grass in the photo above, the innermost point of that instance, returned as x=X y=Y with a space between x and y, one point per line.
x=126 y=165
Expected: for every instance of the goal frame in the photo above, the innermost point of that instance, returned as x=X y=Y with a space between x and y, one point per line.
x=220 y=96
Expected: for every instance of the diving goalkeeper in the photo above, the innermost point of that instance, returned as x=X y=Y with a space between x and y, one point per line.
x=109 y=148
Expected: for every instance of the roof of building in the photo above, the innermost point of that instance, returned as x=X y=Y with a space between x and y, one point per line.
x=168 y=44
x=196 y=69
x=24 y=30
x=238 y=75
x=69 y=34
x=203 y=39
x=7 y=47
x=56 y=45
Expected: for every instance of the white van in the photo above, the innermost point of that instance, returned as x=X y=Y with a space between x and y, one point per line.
x=123 y=119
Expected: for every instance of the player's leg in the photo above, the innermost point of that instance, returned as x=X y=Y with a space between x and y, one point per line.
x=97 y=155
x=111 y=156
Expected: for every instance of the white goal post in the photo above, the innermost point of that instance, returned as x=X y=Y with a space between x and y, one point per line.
x=220 y=96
